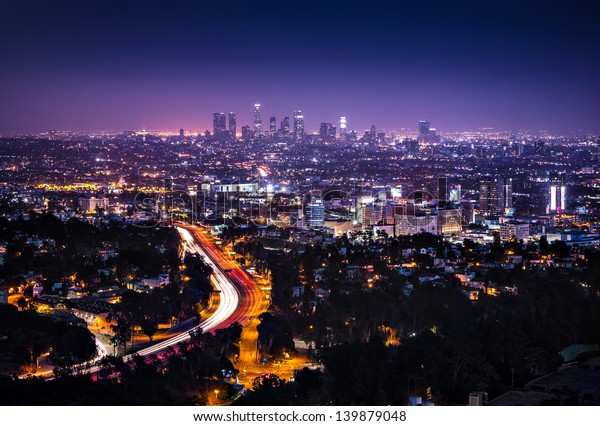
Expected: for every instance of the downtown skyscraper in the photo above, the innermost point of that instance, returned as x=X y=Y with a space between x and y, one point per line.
x=232 y=125
x=298 y=125
x=495 y=195
x=258 y=125
x=285 y=126
x=558 y=193
x=342 y=126
x=219 y=124
x=424 y=131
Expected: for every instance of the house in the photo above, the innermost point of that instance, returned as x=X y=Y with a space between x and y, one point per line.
x=406 y=269
x=297 y=291
x=159 y=281
x=322 y=294
x=465 y=278
x=37 y=289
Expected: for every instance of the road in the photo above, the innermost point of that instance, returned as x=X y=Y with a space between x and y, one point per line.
x=241 y=301
x=249 y=295
x=253 y=302
x=232 y=305
x=237 y=293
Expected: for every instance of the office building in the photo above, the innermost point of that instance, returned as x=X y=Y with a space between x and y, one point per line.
x=558 y=192
x=454 y=195
x=327 y=131
x=235 y=187
x=342 y=126
x=258 y=125
x=411 y=223
x=424 y=131
x=513 y=229
x=298 y=125
x=506 y=194
x=285 y=126
x=219 y=124
x=272 y=126
x=495 y=195
x=92 y=204
x=449 y=222
x=232 y=125
x=247 y=133
x=315 y=212
x=488 y=195
x=371 y=215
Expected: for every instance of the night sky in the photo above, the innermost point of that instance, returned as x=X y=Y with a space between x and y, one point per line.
x=107 y=65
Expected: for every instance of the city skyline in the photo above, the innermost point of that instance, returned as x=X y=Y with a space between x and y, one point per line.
x=460 y=65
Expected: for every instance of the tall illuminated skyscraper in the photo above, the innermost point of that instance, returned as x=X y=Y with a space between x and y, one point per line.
x=258 y=125
x=232 y=125
x=342 y=126
x=327 y=131
x=246 y=133
x=315 y=211
x=219 y=124
x=495 y=194
x=488 y=195
x=424 y=131
x=558 y=192
x=506 y=193
x=272 y=126
x=285 y=126
x=298 y=125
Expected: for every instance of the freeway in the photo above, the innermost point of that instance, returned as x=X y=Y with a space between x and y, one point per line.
x=228 y=310
x=249 y=295
x=240 y=298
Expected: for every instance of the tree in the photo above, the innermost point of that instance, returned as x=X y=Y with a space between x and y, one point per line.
x=75 y=344
x=267 y=381
x=122 y=330
x=560 y=249
x=149 y=327
x=275 y=336
x=22 y=303
x=544 y=246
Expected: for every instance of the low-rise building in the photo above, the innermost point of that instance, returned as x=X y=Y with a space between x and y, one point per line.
x=91 y=204
x=513 y=229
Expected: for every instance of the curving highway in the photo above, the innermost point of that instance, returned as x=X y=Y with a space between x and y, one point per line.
x=239 y=297
x=230 y=299
x=249 y=295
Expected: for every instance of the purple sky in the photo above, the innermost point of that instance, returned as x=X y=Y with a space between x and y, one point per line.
x=463 y=65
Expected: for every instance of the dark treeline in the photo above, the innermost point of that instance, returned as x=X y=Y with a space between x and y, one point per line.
x=140 y=252
x=381 y=345
x=27 y=335
x=189 y=375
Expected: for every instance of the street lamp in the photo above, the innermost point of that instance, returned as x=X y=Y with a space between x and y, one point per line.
x=216 y=396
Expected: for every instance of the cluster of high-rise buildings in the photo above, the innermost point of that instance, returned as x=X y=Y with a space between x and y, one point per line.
x=221 y=131
x=293 y=128
x=220 y=128
x=446 y=214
